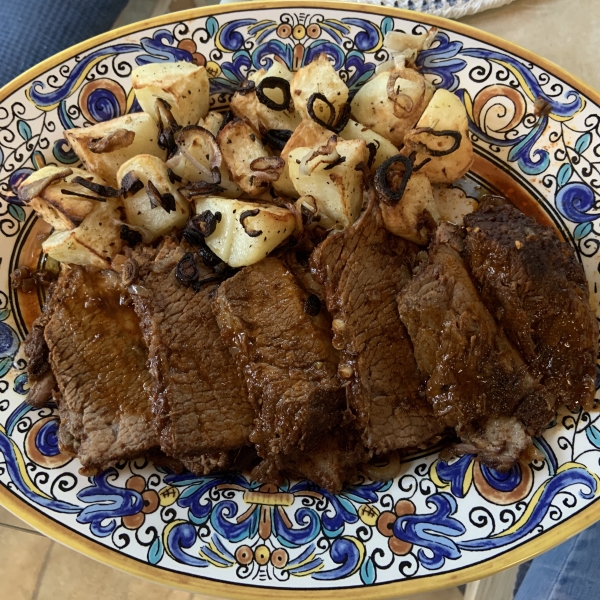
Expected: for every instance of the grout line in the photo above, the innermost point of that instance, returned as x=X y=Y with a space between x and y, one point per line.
x=38 y=583
x=24 y=529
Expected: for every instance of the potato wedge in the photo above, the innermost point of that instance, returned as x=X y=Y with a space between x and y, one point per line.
x=391 y=103
x=138 y=209
x=245 y=105
x=318 y=77
x=240 y=145
x=106 y=164
x=338 y=190
x=95 y=242
x=247 y=231
x=62 y=211
x=307 y=134
x=452 y=203
x=384 y=149
x=212 y=122
x=183 y=85
x=416 y=215
x=444 y=113
x=194 y=150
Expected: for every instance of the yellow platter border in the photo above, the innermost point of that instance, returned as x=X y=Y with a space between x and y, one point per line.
x=76 y=541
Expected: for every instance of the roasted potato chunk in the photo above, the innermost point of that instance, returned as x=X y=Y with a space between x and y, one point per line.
x=452 y=203
x=139 y=209
x=247 y=104
x=319 y=77
x=95 y=242
x=247 y=231
x=59 y=209
x=212 y=122
x=307 y=134
x=391 y=103
x=241 y=148
x=442 y=135
x=328 y=174
x=183 y=85
x=382 y=147
x=416 y=215
x=106 y=164
x=244 y=105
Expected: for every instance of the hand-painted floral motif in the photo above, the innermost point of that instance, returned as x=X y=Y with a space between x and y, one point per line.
x=437 y=516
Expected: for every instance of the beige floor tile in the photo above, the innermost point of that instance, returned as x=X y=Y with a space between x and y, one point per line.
x=7 y=518
x=449 y=594
x=72 y=576
x=22 y=557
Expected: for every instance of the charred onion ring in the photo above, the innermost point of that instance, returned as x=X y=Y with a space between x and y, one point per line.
x=421 y=147
x=274 y=83
x=278 y=138
x=333 y=124
x=245 y=87
x=388 y=195
x=245 y=215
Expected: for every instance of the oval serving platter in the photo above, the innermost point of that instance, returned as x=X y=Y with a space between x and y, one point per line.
x=439 y=523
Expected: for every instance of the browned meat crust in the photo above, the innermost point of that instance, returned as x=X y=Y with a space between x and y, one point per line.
x=534 y=286
x=200 y=403
x=363 y=268
x=40 y=376
x=475 y=374
x=98 y=357
x=289 y=365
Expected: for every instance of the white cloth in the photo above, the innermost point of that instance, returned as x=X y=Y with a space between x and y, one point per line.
x=451 y=9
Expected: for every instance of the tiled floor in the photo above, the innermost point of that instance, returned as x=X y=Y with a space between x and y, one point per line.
x=32 y=567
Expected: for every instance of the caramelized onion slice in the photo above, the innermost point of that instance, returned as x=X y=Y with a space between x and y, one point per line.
x=386 y=468
x=29 y=191
x=115 y=140
x=383 y=188
x=210 y=141
x=403 y=103
x=165 y=201
x=102 y=190
x=278 y=138
x=326 y=154
x=245 y=87
x=206 y=222
x=200 y=188
x=246 y=215
x=167 y=126
x=267 y=168
x=274 y=83
x=412 y=141
x=131 y=184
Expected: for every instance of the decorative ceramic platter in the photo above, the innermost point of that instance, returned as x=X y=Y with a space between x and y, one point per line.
x=438 y=523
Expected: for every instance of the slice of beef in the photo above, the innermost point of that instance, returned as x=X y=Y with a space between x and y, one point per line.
x=290 y=367
x=475 y=373
x=535 y=287
x=98 y=356
x=363 y=268
x=40 y=377
x=200 y=402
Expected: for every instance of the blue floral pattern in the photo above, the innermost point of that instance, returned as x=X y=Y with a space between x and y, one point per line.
x=437 y=516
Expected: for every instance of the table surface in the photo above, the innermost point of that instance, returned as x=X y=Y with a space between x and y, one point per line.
x=35 y=568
